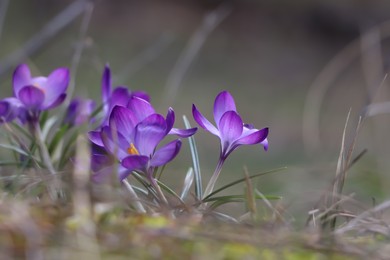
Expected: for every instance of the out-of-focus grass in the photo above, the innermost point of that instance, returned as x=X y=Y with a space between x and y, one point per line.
x=50 y=231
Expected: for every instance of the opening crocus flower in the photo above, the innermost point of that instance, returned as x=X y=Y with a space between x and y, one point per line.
x=79 y=111
x=118 y=97
x=39 y=93
x=230 y=129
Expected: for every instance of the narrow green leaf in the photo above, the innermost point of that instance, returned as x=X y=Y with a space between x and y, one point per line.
x=219 y=201
x=15 y=149
x=242 y=180
x=243 y=197
x=66 y=152
x=50 y=122
x=23 y=131
x=188 y=180
x=195 y=162
x=59 y=135
x=170 y=191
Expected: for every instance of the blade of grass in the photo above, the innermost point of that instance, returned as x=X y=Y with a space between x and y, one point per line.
x=241 y=180
x=221 y=200
x=195 y=162
x=189 y=179
x=170 y=191
x=59 y=135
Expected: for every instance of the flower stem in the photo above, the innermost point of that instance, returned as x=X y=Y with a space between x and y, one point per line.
x=137 y=204
x=213 y=180
x=54 y=187
x=155 y=185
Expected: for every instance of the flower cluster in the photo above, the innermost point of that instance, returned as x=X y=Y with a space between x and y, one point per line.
x=129 y=135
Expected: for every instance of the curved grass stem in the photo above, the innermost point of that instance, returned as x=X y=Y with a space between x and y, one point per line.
x=54 y=186
x=137 y=204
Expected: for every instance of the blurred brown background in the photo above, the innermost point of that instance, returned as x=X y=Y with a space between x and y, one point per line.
x=294 y=66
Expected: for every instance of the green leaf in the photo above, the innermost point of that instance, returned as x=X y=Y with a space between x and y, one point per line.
x=66 y=153
x=195 y=162
x=15 y=149
x=188 y=180
x=48 y=126
x=170 y=191
x=59 y=135
x=221 y=200
x=242 y=180
x=23 y=131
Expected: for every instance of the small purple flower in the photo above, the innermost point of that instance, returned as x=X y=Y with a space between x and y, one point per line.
x=79 y=111
x=40 y=93
x=10 y=109
x=231 y=131
x=134 y=142
x=230 y=128
x=118 y=97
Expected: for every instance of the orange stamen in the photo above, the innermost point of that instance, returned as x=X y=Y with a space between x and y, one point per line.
x=132 y=150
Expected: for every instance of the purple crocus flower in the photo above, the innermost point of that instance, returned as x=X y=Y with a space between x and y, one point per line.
x=10 y=109
x=141 y=109
x=118 y=97
x=132 y=136
x=79 y=111
x=39 y=93
x=230 y=129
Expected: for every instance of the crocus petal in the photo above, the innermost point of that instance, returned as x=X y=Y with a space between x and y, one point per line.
x=98 y=161
x=134 y=162
x=253 y=138
x=223 y=102
x=56 y=102
x=10 y=108
x=79 y=111
x=230 y=127
x=106 y=84
x=94 y=137
x=265 y=144
x=115 y=144
x=21 y=78
x=56 y=85
x=123 y=120
x=119 y=97
x=183 y=132
x=149 y=133
x=170 y=119
x=31 y=97
x=166 y=153
x=203 y=122
x=141 y=108
x=141 y=94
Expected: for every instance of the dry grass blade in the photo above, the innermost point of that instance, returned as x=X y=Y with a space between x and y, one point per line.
x=353 y=224
x=332 y=200
x=250 y=196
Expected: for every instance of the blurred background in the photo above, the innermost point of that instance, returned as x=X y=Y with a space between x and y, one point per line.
x=296 y=67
